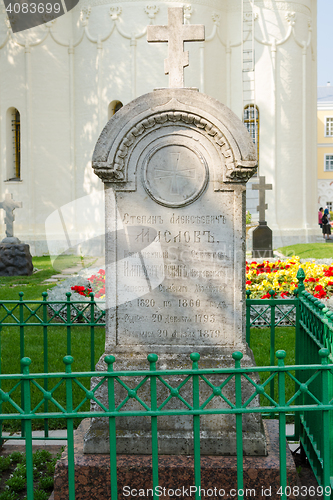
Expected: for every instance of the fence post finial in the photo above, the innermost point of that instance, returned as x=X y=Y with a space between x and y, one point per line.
x=281 y=354
x=237 y=356
x=301 y=277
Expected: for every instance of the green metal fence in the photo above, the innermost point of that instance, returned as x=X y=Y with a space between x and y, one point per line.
x=311 y=402
x=44 y=315
x=197 y=406
x=314 y=331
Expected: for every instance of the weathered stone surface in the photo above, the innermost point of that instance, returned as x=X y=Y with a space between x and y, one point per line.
x=217 y=432
x=15 y=260
x=173 y=111
x=175 y=163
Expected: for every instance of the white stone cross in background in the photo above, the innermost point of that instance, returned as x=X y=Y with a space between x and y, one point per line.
x=9 y=205
x=176 y=33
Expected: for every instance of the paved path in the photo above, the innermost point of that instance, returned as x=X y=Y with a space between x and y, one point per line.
x=72 y=271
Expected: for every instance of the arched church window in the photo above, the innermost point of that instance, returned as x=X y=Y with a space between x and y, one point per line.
x=251 y=122
x=114 y=106
x=13 y=144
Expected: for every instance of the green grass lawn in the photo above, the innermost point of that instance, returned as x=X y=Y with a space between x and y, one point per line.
x=57 y=349
x=260 y=344
x=32 y=286
x=309 y=250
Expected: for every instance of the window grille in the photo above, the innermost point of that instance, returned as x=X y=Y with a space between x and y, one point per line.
x=251 y=122
x=329 y=127
x=16 y=129
x=328 y=163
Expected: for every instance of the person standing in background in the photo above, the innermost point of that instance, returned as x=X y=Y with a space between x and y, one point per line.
x=320 y=216
x=326 y=226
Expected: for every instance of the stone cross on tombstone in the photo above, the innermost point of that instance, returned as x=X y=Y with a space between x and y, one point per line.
x=9 y=205
x=176 y=33
x=262 y=188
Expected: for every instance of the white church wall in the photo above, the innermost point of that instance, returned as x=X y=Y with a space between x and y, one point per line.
x=64 y=85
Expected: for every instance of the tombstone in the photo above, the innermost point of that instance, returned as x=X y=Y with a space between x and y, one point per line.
x=174 y=164
x=15 y=257
x=262 y=246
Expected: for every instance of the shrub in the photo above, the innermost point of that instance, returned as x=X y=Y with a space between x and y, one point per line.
x=8 y=495
x=17 y=457
x=40 y=457
x=46 y=483
x=41 y=495
x=16 y=483
x=4 y=463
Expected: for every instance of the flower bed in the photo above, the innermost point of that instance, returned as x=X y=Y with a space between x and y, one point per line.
x=80 y=287
x=96 y=285
x=280 y=276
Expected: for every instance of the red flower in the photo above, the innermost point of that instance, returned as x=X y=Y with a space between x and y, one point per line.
x=268 y=295
x=100 y=292
x=329 y=272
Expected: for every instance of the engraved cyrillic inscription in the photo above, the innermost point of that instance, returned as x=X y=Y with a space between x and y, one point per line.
x=193 y=303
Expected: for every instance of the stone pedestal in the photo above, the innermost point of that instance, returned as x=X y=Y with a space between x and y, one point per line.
x=92 y=473
x=15 y=259
x=175 y=433
x=262 y=246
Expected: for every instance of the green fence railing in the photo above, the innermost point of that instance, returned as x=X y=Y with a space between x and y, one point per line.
x=313 y=332
x=303 y=401
x=44 y=316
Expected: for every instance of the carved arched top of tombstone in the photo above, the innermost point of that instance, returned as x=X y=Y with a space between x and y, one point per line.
x=181 y=118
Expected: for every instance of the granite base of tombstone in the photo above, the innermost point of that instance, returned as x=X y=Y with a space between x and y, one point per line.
x=261 y=475
x=262 y=246
x=15 y=258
